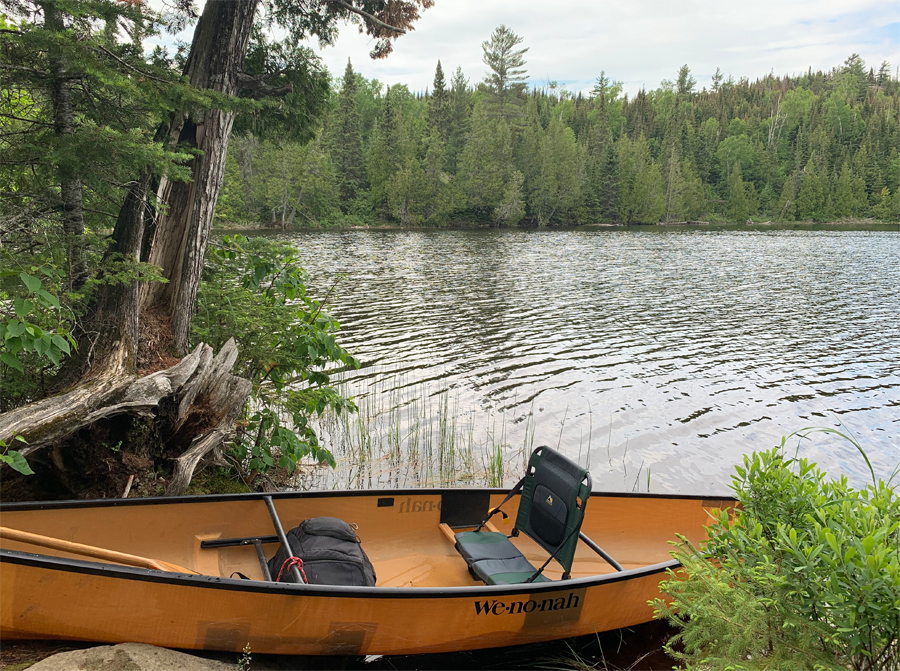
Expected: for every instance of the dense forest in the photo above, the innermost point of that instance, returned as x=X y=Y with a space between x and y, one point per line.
x=818 y=146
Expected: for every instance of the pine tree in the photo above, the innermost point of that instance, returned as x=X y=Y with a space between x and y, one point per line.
x=642 y=197
x=507 y=80
x=389 y=151
x=557 y=185
x=843 y=204
x=685 y=83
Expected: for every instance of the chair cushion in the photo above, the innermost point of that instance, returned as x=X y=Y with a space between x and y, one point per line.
x=477 y=545
x=512 y=571
x=494 y=559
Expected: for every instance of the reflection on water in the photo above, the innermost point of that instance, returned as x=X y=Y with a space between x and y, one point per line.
x=662 y=351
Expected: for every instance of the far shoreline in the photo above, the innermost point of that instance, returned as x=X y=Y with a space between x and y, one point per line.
x=381 y=226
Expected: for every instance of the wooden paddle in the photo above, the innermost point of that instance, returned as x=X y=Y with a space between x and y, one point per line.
x=91 y=551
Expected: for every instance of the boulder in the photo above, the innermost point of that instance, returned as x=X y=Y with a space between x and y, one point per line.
x=128 y=657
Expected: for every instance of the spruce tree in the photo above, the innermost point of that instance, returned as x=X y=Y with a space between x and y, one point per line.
x=737 y=205
x=609 y=184
x=439 y=105
x=346 y=143
x=812 y=197
x=460 y=111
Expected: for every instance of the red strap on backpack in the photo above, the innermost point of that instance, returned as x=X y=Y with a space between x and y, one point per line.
x=292 y=561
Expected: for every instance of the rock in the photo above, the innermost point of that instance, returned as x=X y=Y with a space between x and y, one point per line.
x=128 y=657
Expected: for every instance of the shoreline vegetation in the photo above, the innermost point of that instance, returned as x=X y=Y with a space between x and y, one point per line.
x=468 y=225
x=819 y=146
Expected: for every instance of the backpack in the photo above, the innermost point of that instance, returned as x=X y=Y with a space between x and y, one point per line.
x=330 y=551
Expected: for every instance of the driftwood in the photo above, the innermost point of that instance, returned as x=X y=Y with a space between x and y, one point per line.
x=207 y=396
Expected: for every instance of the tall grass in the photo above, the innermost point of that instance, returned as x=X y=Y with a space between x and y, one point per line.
x=413 y=435
x=422 y=434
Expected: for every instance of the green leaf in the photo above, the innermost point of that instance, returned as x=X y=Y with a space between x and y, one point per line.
x=53 y=355
x=12 y=361
x=62 y=344
x=22 y=307
x=32 y=283
x=47 y=299
x=868 y=543
x=14 y=329
x=17 y=462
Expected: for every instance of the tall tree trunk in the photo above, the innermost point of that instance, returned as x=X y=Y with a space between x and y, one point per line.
x=182 y=232
x=186 y=408
x=71 y=194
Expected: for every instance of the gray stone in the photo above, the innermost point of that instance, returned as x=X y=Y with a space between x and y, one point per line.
x=128 y=657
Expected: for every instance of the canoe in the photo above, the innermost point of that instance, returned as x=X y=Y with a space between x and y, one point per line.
x=165 y=571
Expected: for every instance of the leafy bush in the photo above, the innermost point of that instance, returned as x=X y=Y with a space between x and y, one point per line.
x=254 y=290
x=805 y=574
x=34 y=331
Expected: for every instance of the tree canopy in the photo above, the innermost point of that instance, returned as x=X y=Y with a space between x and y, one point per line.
x=815 y=146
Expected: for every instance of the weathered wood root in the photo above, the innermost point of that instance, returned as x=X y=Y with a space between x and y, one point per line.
x=207 y=396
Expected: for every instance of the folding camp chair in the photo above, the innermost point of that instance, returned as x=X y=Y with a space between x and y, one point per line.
x=555 y=491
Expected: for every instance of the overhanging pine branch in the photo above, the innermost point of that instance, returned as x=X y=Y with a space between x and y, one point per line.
x=370 y=17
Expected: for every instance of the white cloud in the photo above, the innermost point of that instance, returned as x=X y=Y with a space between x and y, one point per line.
x=639 y=42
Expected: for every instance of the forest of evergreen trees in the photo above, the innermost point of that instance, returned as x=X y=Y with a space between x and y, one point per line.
x=821 y=146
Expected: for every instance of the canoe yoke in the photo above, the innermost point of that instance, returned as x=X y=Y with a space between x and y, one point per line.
x=555 y=491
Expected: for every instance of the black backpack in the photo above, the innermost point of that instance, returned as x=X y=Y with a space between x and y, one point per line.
x=331 y=554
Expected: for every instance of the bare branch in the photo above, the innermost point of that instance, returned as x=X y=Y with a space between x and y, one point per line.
x=370 y=17
x=143 y=74
x=18 y=118
x=257 y=86
x=19 y=68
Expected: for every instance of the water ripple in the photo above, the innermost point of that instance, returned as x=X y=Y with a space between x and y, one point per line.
x=672 y=350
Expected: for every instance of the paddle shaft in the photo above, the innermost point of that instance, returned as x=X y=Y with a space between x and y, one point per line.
x=90 y=551
x=279 y=530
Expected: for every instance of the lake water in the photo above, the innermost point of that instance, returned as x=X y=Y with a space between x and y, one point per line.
x=657 y=356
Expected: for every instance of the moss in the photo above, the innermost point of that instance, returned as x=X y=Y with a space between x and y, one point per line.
x=217 y=481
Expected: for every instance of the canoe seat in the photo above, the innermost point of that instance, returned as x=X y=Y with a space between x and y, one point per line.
x=554 y=496
x=493 y=559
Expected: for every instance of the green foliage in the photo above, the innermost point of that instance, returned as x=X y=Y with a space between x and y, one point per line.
x=20 y=333
x=14 y=458
x=506 y=80
x=255 y=291
x=736 y=202
x=34 y=330
x=804 y=574
x=681 y=151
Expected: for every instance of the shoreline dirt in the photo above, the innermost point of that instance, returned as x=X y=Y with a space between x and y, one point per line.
x=637 y=648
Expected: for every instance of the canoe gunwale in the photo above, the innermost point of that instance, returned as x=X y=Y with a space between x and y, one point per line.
x=214 y=498
x=50 y=563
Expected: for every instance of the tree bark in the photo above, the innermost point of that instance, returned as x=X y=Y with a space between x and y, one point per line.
x=192 y=404
x=71 y=193
x=182 y=232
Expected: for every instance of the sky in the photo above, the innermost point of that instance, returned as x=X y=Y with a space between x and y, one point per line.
x=637 y=42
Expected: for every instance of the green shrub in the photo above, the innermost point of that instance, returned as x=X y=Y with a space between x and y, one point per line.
x=805 y=574
x=254 y=290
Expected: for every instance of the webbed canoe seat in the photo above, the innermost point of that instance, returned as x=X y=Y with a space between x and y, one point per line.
x=555 y=491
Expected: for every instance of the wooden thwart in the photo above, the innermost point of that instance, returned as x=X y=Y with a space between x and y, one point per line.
x=91 y=551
